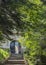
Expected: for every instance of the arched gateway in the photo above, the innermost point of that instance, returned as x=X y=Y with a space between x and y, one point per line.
x=15 y=47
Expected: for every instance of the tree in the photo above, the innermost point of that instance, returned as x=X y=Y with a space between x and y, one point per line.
x=29 y=17
x=9 y=18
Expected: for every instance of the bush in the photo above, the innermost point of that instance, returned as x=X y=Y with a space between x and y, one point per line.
x=3 y=54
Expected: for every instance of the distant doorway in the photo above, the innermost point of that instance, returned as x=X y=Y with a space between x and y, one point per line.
x=15 y=47
x=12 y=47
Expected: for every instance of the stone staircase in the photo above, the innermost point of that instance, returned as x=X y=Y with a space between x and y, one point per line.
x=15 y=60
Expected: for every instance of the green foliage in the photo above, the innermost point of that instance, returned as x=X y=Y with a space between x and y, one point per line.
x=29 y=17
x=34 y=16
x=23 y=16
x=3 y=54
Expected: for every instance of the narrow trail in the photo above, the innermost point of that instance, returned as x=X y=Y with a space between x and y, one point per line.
x=15 y=60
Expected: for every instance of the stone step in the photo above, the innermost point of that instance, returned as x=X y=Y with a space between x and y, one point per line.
x=13 y=58
x=16 y=62
x=17 y=56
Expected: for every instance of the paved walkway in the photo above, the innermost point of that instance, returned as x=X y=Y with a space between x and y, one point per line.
x=15 y=60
